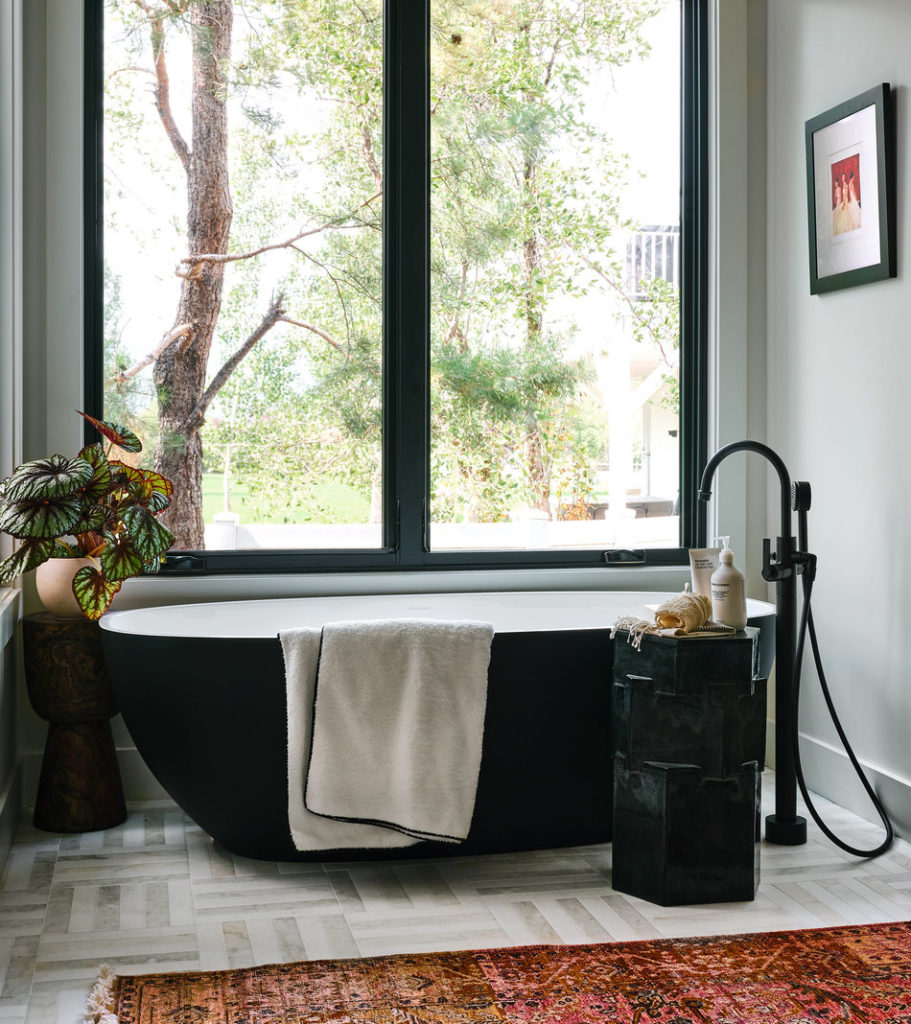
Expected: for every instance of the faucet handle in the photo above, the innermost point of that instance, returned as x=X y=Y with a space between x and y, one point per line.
x=773 y=570
x=768 y=569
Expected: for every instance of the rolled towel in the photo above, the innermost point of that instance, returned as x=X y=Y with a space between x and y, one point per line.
x=684 y=614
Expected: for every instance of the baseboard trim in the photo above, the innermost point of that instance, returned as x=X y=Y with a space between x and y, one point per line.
x=10 y=812
x=139 y=784
x=828 y=771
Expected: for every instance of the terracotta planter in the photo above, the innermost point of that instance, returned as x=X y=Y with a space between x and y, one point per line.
x=54 y=580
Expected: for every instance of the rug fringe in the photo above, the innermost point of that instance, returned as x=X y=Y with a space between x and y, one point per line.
x=99 y=1008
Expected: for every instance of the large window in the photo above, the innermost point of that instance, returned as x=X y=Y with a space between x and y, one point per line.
x=401 y=286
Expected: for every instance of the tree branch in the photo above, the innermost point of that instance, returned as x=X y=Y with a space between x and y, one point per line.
x=455 y=332
x=370 y=157
x=338 y=289
x=162 y=82
x=300 y=323
x=550 y=64
x=215 y=257
x=129 y=67
x=195 y=420
x=176 y=332
x=163 y=97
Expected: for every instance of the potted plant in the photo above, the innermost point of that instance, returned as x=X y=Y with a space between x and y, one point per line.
x=93 y=508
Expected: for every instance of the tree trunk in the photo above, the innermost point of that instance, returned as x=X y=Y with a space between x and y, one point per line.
x=538 y=475
x=180 y=371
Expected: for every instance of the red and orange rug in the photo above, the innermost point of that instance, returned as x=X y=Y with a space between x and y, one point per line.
x=856 y=973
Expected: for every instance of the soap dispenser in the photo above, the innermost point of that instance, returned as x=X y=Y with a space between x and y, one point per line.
x=729 y=602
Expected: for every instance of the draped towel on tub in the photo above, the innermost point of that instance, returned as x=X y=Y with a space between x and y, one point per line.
x=385 y=725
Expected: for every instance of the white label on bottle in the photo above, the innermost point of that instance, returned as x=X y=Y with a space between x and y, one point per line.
x=732 y=599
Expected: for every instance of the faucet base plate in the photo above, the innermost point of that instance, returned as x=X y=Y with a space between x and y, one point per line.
x=786 y=831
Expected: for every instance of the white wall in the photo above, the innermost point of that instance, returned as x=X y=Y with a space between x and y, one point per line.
x=839 y=369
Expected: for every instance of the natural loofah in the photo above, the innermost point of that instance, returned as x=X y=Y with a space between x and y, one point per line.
x=684 y=614
x=686 y=611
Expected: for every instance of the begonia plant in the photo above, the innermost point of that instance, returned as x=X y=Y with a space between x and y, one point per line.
x=93 y=505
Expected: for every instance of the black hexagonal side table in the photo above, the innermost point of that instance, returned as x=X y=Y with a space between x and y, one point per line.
x=688 y=736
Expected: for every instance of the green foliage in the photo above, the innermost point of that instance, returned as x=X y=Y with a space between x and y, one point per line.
x=656 y=318
x=126 y=400
x=522 y=183
x=106 y=507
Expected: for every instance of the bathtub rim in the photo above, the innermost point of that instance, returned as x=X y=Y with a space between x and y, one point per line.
x=131 y=621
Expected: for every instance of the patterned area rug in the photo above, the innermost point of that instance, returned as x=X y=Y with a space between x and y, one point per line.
x=857 y=973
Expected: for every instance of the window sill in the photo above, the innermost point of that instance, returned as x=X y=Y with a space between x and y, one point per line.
x=159 y=590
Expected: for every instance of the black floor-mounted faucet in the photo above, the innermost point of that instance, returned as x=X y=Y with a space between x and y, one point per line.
x=785 y=826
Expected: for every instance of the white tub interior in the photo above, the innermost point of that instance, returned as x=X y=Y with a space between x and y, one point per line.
x=509 y=612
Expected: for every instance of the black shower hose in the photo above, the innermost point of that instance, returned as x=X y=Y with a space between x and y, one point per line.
x=806 y=626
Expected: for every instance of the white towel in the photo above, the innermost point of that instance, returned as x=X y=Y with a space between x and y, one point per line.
x=310 y=831
x=396 y=732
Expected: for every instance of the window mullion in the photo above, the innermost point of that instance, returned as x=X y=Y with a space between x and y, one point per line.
x=407 y=278
x=93 y=190
x=694 y=259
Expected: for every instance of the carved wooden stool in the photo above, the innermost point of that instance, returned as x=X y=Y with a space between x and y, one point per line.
x=79 y=789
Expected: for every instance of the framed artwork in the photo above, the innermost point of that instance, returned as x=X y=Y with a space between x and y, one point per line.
x=851 y=192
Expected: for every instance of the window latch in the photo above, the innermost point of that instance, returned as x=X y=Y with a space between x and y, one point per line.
x=625 y=556
x=183 y=563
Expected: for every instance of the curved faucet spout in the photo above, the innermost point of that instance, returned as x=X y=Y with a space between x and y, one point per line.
x=705 y=489
x=785 y=826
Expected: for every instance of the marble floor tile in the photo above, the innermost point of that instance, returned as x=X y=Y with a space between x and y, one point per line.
x=157 y=894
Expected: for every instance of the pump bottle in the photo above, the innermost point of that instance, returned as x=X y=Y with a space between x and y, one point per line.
x=729 y=603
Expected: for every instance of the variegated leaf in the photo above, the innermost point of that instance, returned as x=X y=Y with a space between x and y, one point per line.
x=93 y=592
x=119 y=560
x=53 y=477
x=93 y=453
x=119 y=435
x=93 y=519
x=150 y=538
x=101 y=480
x=152 y=490
x=123 y=473
x=30 y=556
x=41 y=517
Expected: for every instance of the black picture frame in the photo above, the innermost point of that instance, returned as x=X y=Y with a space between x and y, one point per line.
x=851 y=192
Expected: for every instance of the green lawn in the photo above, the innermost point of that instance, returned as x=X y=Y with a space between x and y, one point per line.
x=348 y=504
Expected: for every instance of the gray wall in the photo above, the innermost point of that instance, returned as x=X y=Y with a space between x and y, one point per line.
x=839 y=367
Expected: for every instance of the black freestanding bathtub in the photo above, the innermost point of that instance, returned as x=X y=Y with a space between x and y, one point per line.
x=202 y=691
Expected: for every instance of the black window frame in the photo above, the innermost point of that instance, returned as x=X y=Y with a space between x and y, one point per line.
x=406 y=314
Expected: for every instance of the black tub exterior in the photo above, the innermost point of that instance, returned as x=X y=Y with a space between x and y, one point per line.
x=208 y=717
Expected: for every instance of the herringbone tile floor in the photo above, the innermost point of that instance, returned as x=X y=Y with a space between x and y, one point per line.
x=155 y=894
